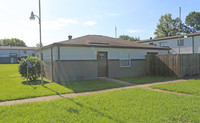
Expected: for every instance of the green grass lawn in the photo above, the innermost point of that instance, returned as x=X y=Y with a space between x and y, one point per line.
x=12 y=86
x=145 y=79
x=127 y=105
x=90 y=85
x=190 y=86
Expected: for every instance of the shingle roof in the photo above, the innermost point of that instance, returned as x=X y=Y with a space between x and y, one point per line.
x=166 y=38
x=17 y=48
x=104 y=41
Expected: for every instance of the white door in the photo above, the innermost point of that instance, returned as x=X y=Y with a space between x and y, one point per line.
x=12 y=60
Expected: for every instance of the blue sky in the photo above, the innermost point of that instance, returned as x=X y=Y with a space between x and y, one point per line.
x=61 y=18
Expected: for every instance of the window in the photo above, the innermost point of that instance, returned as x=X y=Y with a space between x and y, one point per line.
x=152 y=44
x=24 y=51
x=125 y=60
x=33 y=54
x=163 y=44
x=152 y=53
x=181 y=42
x=13 y=54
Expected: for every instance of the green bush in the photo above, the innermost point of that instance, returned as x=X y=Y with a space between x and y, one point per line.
x=34 y=71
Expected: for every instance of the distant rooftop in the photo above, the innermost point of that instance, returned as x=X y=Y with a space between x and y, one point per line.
x=166 y=38
x=17 y=48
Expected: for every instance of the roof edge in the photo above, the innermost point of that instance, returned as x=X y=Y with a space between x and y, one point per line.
x=167 y=38
x=110 y=46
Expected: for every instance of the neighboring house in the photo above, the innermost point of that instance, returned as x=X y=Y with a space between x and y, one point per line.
x=10 y=54
x=191 y=44
x=93 y=56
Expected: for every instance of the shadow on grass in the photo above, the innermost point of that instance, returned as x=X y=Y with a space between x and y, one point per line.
x=57 y=93
x=36 y=82
x=146 y=79
x=69 y=85
x=89 y=85
x=76 y=86
x=94 y=109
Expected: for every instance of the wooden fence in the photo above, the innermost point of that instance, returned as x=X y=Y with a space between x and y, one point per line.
x=173 y=65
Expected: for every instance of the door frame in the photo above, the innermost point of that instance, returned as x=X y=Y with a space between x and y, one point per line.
x=106 y=63
x=13 y=60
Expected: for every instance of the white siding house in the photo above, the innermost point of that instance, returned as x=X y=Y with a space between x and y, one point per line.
x=189 y=44
x=10 y=54
x=93 y=56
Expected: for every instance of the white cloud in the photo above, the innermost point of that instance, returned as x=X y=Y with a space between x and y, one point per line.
x=67 y=21
x=97 y=16
x=14 y=29
x=90 y=23
x=59 y=23
x=113 y=14
x=135 y=30
x=152 y=32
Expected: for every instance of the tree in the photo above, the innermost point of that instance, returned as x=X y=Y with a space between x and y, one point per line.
x=12 y=42
x=34 y=71
x=38 y=45
x=177 y=24
x=170 y=27
x=126 y=37
x=193 y=20
x=1 y=43
x=167 y=26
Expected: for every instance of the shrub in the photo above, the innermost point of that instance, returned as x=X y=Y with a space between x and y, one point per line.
x=34 y=71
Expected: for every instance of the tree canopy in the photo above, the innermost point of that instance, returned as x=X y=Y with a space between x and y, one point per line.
x=170 y=27
x=167 y=26
x=12 y=42
x=38 y=45
x=129 y=38
x=193 y=20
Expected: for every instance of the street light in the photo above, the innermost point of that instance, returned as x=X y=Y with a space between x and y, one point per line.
x=32 y=17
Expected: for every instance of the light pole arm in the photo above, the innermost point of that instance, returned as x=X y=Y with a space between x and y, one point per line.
x=38 y=18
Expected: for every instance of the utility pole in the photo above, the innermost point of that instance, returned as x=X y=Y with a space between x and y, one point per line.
x=115 y=32
x=39 y=18
x=179 y=41
x=193 y=44
x=40 y=44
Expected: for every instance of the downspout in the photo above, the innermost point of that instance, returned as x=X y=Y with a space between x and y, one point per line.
x=59 y=76
x=193 y=44
x=52 y=65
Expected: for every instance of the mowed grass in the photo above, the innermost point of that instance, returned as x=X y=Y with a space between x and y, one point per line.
x=90 y=85
x=127 y=105
x=145 y=79
x=13 y=86
x=190 y=86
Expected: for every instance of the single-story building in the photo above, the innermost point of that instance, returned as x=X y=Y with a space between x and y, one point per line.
x=179 y=44
x=93 y=56
x=10 y=54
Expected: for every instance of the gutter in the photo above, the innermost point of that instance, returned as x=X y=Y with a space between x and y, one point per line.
x=110 y=46
x=52 y=65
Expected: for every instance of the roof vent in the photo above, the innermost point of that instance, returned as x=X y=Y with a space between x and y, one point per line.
x=98 y=43
x=69 y=37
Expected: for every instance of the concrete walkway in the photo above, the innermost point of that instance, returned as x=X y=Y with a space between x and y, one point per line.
x=145 y=86
x=165 y=91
